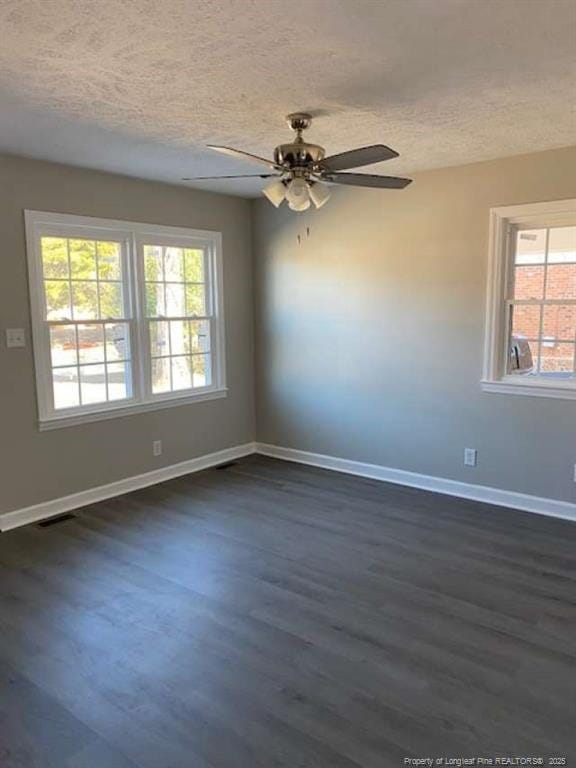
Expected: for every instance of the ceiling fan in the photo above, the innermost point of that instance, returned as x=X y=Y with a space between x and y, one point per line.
x=300 y=170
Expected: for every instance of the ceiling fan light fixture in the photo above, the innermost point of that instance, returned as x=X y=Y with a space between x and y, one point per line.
x=319 y=194
x=275 y=192
x=300 y=168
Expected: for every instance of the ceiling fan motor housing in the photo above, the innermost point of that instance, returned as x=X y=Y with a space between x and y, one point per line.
x=298 y=155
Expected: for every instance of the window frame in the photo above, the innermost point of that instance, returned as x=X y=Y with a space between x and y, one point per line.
x=504 y=223
x=132 y=236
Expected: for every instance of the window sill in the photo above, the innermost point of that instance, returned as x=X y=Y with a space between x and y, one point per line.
x=72 y=420
x=531 y=389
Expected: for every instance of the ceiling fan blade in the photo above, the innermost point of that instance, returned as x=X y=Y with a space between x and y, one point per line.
x=240 y=176
x=366 y=180
x=354 y=158
x=240 y=155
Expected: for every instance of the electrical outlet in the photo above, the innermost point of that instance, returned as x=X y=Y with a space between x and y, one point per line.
x=157 y=447
x=470 y=457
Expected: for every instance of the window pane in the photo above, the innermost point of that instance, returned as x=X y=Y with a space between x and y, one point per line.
x=526 y=321
x=153 y=268
x=522 y=357
x=179 y=337
x=87 y=290
x=181 y=373
x=91 y=343
x=155 y=303
x=54 y=257
x=82 y=259
x=117 y=341
x=202 y=372
x=173 y=265
x=561 y=281
x=531 y=246
x=562 y=245
x=528 y=283
x=559 y=322
x=175 y=303
x=85 y=301
x=92 y=384
x=200 y=335
x=161 y=375
x=63 y=345
x=194 y=265
x=65 y=383
x=111 y=303
x=557 y=361
x=57 y=300
x=159 y=339
x=118 y=388
x=195 y=300
x=108 y=260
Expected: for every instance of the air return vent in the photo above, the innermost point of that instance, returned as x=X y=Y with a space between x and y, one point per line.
x=56 y=520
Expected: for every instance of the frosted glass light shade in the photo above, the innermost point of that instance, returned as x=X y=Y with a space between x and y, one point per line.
x=297 y=194
x=303 y=205
x=275 y=192
x=319 y=194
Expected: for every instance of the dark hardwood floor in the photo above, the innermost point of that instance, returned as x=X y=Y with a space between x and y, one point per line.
x=270 y=615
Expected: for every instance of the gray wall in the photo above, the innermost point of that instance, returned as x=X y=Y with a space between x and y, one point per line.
x=37 y=466
x=370 y=331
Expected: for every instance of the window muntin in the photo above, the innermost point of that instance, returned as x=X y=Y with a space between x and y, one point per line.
x=542 y=302
x=125 y=316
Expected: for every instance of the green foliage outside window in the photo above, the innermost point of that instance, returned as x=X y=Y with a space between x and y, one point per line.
x=76 y=273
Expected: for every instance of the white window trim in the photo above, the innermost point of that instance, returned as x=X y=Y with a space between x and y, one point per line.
x=133 y=233
x=502 y=221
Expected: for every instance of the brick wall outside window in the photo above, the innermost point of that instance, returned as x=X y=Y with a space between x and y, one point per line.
x=552 y=324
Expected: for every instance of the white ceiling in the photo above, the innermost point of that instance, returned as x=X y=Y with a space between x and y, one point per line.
x=140 y=86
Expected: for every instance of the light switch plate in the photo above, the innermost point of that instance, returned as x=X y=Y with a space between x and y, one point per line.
x=15 y=338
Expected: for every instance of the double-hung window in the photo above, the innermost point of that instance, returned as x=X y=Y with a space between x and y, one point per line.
x=531 y=313
x=126 y=316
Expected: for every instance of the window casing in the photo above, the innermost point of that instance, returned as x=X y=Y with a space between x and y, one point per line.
x=126 y=316
x=530 y=346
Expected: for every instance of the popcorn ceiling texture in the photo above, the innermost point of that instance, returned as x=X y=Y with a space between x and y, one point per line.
x=139 y=87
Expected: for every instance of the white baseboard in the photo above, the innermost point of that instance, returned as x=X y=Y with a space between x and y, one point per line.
x=47 y=509
x=486 y=494
x=483 y=493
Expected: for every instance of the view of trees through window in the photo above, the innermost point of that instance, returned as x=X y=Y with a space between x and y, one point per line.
x=543 y=301
x=178 y=317
x=125 y=315
x=88 y=328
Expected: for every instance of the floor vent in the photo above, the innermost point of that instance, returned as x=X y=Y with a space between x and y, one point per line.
x=56 y=520
x=228 y=464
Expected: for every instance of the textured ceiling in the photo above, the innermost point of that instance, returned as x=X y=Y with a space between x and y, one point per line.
x=139 y=87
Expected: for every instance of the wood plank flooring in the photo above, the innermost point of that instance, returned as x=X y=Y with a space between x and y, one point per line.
x=270 y=615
